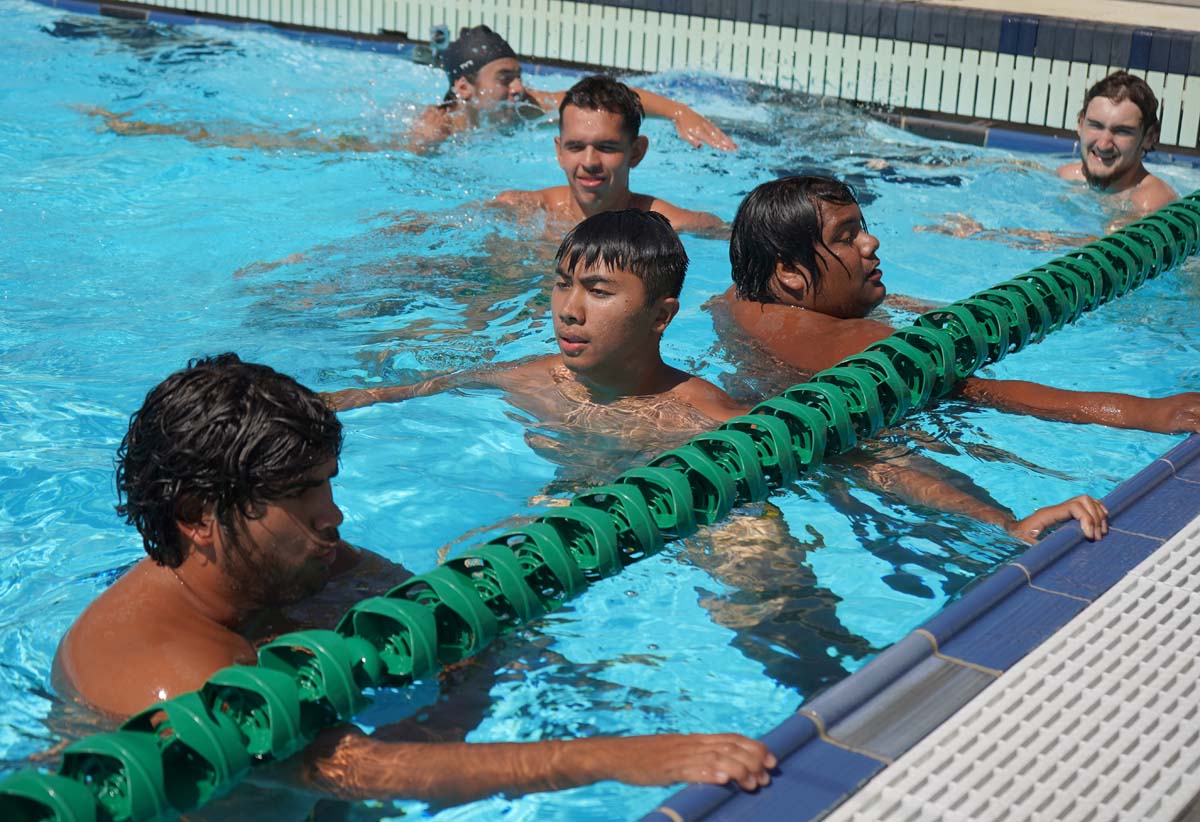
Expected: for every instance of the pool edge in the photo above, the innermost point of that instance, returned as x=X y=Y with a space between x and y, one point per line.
x=845 y=736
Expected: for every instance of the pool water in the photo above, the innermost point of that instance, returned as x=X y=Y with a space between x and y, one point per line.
x=125 y=256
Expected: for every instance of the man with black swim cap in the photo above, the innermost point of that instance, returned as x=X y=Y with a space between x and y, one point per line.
x=473 y=50
x=484 y=75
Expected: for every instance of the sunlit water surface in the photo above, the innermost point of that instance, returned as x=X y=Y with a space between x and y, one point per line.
x=123 y=257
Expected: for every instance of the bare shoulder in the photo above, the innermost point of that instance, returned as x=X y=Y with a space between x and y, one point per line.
x=525 y=202
x=516 y=198
x=682 y=219
x=1152 y=193
x=706 y=398
x=528 y=375
x=805 y=339
x=117 y=662
x=1071 y=171
x=432 y=126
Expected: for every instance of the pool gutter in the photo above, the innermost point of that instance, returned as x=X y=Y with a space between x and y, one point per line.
x=852 y=732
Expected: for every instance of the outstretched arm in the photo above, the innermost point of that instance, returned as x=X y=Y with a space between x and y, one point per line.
x=206 y=135
x=690 y=125
x=522 y=375
x=345 y=763
x=1178 y=413
x=967 y=228
x=923 y=488
x=348 y=398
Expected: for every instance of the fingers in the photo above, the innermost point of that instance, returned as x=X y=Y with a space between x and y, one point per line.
x=720 y=140
x=1091 y=515
x=736 y=758
x=697 y=130
x=1088 y=511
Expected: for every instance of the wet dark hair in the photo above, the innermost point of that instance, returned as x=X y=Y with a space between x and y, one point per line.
x=780 y=221
x=1121 y=85
x=221 y=432
x=640 y=242
x=600 y=92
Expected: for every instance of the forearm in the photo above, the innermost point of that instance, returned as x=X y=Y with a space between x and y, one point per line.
x=692 y=126
x=1098 y=407
x=917 y=487
x=349 y=398
x=357 y=767
x=656 y=105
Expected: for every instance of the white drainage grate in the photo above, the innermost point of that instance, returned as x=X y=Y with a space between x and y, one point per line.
x=1101 y=722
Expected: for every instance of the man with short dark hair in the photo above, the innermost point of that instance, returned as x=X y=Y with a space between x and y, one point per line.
x=597 y=146
x=617 y=284
x=1118 y=125
x=226 y=471
x=486 y=86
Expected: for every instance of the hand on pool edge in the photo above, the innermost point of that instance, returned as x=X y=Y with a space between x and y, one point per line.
x=1088 y=511
x=666 y=759
x=1176 y=414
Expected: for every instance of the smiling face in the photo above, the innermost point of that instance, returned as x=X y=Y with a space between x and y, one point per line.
x=851 y=279
x=1112 y=143
x=596 y=152
x=605 y=328
x=287 y=553
x=496 y=83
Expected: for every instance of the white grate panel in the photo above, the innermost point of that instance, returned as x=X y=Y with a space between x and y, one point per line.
x=1102 y=722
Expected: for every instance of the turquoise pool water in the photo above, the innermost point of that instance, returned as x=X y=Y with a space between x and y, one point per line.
x=123 y=257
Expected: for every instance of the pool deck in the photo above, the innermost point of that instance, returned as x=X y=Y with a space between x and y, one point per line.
x=1181 y=16
x=1063 y=686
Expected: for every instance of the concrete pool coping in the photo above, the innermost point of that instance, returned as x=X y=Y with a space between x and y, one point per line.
x=866 y=725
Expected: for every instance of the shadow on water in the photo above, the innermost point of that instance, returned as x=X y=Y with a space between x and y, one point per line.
x=412 y=295
x=149 y=42
x=782 y=614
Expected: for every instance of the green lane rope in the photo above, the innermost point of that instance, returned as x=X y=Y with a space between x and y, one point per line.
x=181 y=753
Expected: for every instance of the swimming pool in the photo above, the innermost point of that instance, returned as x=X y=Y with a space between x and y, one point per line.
x=126 y=256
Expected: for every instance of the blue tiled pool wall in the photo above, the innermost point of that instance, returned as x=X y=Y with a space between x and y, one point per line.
x=827 y=750
x=1022 y=71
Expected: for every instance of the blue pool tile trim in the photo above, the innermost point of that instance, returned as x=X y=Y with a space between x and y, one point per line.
x=811 y=781
x=1016 y=625
x=994 y=624
x=1012 y=140
x=1023 y=35
x=1026 y=35
x=835 y=704
x=1092 y=568
x=391 y=43
x=1058 y=39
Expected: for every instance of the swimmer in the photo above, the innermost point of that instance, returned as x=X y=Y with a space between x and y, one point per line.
x=807 y=276
x=484 y=76
x=1118 y=126
x=617 y=284
x=485 y=89
x=597 y=145
x=226 y=470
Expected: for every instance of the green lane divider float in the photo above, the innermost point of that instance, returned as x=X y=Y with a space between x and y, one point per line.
x=179 y=754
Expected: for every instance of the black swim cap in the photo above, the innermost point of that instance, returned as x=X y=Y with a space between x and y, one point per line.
x=474 y=49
